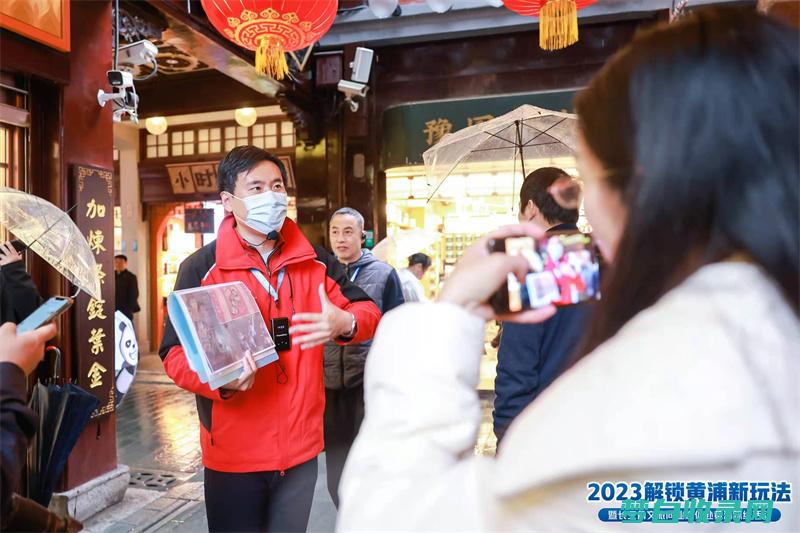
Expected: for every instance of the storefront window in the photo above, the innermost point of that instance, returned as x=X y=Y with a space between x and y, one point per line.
x=265 y=135
x=158 y=145
x=189 y=141
x=209 y=141
x=287 y=134
x=235 y=136
x=182 y=143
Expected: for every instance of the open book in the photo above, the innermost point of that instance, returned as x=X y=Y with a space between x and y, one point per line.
x=216 y=325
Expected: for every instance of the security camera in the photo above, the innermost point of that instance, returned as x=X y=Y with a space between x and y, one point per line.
x=139 y=53
x=351 y=88
x=122 y=112
x=120 y=79
x=362 y=64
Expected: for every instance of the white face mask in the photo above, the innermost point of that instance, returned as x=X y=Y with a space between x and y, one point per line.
x=266 y=211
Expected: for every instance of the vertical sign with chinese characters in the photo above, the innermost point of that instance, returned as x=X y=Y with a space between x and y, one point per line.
x=95 y=317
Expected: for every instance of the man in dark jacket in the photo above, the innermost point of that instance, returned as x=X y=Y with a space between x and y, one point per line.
x=127 y=288
x=531 y=356
x=18 y=294
x=261 y=435
x=344 y=365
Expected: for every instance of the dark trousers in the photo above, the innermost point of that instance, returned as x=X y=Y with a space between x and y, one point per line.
x=344 y=411
x=260 y=501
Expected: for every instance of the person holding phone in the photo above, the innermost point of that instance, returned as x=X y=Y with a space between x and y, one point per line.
x=689 y=368
x=19 y=355
x=19 y=296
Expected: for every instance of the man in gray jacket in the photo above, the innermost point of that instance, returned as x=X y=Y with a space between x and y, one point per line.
x=344 y=365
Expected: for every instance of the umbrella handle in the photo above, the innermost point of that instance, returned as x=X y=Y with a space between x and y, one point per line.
x=57 y=365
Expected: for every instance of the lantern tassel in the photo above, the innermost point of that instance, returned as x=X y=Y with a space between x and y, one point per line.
x=558 y=24
x=271 y=59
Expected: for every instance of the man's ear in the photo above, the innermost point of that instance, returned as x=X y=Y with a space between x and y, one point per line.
x=226 y=201
x=531 y=210
x=363 y=236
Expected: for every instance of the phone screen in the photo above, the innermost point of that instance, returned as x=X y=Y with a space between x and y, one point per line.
x=564 y=270
x=44 y=313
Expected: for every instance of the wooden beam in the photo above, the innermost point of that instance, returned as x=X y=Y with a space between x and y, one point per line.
x=196 y=92
x=193 y=35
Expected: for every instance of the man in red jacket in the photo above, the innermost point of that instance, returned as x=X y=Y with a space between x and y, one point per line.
x=261 y=434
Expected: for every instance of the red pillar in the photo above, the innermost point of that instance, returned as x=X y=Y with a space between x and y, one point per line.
x=88 y=140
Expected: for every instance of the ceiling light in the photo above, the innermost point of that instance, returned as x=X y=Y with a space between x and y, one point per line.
x=245 y=116
x=156 y=125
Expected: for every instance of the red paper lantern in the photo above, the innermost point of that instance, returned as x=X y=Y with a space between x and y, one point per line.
x=271 y=27
x=558 y=19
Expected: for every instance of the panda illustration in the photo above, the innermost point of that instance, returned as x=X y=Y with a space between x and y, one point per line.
x=127 y=356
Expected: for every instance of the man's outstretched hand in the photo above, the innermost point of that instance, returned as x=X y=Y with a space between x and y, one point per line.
x=319 y=328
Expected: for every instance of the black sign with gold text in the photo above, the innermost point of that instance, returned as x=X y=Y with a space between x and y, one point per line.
x=95 y=318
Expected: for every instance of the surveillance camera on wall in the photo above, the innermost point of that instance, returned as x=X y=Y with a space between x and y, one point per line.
x=120 y=79
x=123 y=97
x=139 y=53
x=357 y=88
x=351 y=88
x=362 y=65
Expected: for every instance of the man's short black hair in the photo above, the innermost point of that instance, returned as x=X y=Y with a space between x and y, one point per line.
x=535 y=187
x=121 y=256
x=243 y=159
x=419 y=259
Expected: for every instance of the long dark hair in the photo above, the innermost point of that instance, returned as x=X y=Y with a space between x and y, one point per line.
x=698 y=126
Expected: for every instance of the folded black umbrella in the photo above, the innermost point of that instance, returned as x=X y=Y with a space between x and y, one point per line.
x=64 y=411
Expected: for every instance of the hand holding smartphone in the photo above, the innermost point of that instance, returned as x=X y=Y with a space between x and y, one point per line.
x=563 y=270
x=45 y=313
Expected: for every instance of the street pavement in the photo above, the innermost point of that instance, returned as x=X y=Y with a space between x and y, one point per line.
x=158 y=438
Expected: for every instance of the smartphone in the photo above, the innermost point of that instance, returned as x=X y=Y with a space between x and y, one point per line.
x=45 y=313
x=564 y=270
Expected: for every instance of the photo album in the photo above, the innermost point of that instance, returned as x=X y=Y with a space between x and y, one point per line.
x=216 y=326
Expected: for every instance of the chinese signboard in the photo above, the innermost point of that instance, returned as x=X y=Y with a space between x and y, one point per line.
x=95 y=318
x=191 y=178
x=409 y=130
x=198 y=220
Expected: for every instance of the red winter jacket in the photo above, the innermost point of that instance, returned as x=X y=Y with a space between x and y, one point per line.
x=277 y=424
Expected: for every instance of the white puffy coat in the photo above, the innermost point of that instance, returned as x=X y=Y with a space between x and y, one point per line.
x=702 y=386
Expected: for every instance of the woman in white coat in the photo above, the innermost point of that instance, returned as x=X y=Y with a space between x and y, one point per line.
x=689 y=373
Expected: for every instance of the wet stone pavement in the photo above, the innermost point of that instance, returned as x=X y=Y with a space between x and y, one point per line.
x=158 y=438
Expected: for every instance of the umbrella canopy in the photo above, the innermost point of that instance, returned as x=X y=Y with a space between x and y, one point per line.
x=519 y=138
x=396 y=248
x=51 y=233
x=63 y=413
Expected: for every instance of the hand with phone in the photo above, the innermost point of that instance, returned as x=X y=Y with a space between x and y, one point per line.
x=563 y=269
x=481 y=273
x=24 y=349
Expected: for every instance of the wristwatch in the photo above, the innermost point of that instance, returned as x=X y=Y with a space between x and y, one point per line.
x=350 y=334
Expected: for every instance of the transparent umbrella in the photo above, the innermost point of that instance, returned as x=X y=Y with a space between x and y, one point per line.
x=396 y=248
x=520 y=139
x=51 y=233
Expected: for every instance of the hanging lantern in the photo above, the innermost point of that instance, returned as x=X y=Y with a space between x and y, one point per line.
x=271 y=27
x=558 y=19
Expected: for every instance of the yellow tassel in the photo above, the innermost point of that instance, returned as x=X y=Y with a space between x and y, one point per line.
x=270 y=59
x=558 y=24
